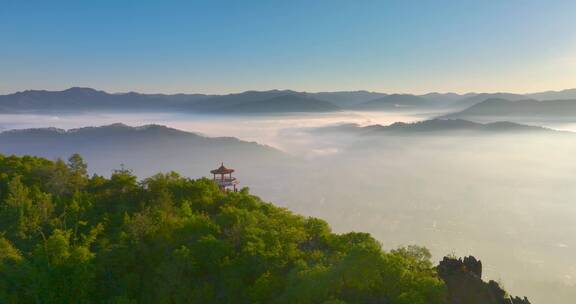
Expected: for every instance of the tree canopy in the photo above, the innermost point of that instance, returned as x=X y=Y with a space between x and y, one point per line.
x=66 y=237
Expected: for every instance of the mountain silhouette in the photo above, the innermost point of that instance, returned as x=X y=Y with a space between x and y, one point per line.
x=263 y=102
x=393 y=102
x=146 y=148
x=496 y=107
x=433 y=127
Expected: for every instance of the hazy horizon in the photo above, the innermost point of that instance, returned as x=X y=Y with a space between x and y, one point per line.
x=126 y=91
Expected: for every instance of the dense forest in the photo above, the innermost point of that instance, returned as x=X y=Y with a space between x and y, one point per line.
x=67 y=237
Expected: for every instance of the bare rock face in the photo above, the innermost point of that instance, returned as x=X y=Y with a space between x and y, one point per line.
x=463 y=278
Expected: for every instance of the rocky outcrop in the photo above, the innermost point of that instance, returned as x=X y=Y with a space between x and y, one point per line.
x=463 y=278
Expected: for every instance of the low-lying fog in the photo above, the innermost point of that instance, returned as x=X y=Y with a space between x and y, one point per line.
x=505 y=198
x=282 y=131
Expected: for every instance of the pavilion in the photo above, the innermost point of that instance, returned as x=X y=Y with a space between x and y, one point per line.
x=223 y=177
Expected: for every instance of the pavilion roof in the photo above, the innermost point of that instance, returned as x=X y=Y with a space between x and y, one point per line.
x=222 y=170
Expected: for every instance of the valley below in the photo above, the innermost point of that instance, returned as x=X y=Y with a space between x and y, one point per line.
x=503 y=196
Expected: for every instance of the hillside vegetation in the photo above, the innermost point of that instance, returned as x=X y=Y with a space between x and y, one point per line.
x=66 y=237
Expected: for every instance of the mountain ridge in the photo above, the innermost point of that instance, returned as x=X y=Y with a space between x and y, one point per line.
x=497 y=107
x=83 y=99
x=393 y=101
x=149 y=147
x=434 y=126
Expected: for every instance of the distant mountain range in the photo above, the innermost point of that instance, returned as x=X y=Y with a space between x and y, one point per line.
x=474 y=99
x=394 y=102
x=554 y=95
x=86 y=99
x=347 y=99
x=263 y=102
x=434 y=126
x=146 y=148
x=273 y=101
x=496 y=108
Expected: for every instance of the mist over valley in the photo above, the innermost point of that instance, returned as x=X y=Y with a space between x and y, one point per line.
x=500 y=190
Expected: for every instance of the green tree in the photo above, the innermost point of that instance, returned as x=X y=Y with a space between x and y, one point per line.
x=66 y=237
x=78 y=172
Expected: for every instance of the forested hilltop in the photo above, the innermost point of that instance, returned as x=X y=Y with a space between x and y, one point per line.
x=66 y=237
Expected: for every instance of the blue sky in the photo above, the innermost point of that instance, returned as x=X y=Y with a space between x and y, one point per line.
x=229 y=46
